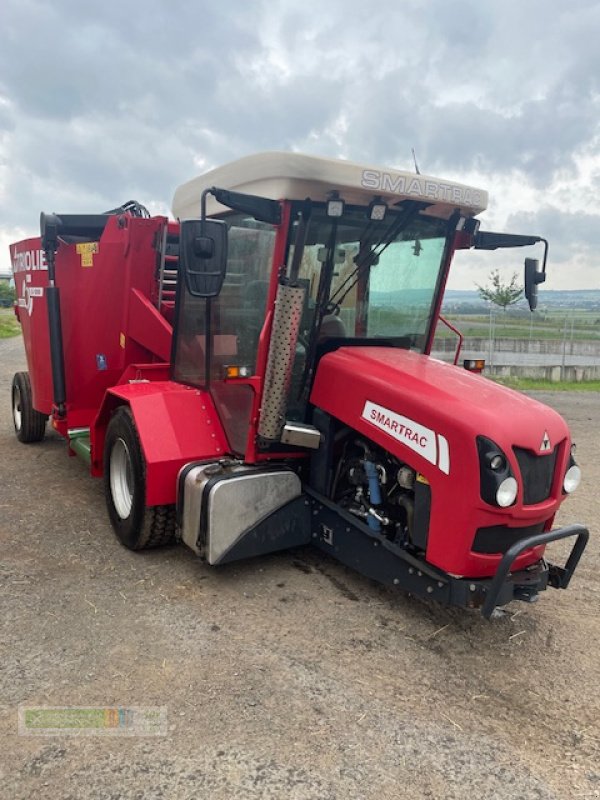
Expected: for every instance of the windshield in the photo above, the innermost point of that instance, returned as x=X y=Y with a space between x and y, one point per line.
x=374 y=279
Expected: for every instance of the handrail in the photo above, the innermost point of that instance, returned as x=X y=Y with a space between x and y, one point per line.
x=458 y=333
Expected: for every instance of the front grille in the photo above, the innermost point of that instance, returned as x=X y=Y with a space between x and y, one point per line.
x=498 y=538
x=537 y=472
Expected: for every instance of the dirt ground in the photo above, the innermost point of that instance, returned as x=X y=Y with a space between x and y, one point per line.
x=285 y=677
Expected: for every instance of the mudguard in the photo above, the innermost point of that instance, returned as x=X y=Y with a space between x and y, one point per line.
x=176 y=424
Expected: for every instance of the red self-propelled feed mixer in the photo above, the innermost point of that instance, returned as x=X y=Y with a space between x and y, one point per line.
x=257 y=376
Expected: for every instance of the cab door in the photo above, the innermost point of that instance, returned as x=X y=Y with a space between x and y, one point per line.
x=216 y=338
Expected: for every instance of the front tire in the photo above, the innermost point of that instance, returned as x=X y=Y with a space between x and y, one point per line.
x=30 y=425
x=136 y=525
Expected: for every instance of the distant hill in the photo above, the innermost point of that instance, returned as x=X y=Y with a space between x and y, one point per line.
x=584 y=299
x=465 y=301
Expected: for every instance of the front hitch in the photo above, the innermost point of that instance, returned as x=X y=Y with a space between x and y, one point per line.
x=558 y=577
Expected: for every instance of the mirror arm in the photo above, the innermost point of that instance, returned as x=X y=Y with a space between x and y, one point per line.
x=488 y=240
x=545 y=243
x=203 y=202
x=261 y=208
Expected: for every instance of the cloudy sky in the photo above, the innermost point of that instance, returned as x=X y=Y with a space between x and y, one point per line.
x=104 y=102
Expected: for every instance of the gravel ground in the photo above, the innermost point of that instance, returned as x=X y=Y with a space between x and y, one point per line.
x=286 y=677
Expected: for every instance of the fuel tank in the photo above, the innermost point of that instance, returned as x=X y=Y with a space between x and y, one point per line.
x=429 y=415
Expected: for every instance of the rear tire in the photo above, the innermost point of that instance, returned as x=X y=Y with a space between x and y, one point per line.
x=30 y=425
x=136 y=525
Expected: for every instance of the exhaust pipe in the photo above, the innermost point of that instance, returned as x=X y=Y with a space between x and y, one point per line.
x=289 y=304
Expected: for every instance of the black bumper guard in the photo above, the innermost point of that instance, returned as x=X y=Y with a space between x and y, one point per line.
x=558 y=577
x=340 y=534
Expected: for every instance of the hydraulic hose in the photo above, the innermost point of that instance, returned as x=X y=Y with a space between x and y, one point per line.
x=374 y=493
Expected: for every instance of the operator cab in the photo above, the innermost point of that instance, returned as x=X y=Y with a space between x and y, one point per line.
x=368 y=282
x=360 y=254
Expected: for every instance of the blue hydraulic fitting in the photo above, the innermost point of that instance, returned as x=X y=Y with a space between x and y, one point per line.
x=374 y=493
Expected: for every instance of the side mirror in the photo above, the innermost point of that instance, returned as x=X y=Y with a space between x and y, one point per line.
x=203 y=255
x=533 y=276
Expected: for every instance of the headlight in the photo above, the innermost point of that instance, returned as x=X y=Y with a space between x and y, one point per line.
x=572 y=479
x=506 y=493
x=498 y=485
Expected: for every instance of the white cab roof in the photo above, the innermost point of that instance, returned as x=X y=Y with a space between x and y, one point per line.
x=292 y=176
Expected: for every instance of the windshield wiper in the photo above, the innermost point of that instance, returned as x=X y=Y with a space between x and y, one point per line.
x=369 y=253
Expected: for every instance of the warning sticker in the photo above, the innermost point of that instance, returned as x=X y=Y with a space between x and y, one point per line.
x=87 y=250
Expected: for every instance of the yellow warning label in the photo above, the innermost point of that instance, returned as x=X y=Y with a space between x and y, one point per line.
x=87 y=250
x=122 y=340
x=422 y=479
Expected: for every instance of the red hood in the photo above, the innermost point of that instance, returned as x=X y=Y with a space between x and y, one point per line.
x=448 y=399
x=429 y=414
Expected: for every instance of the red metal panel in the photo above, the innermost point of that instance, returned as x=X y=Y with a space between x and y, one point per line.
x=95 y=297
x=459 y=406
x=148 y=327
x=176 y=424
x=31 y=279
x=107 y=318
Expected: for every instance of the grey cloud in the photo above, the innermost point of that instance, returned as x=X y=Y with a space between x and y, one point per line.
x=77 y=63
x=568 y=233
x=540 y=141
x=104 y=101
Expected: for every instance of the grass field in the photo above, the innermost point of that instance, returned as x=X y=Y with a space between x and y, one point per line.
x=526 y=384
x=572 y=325
x=8 y=323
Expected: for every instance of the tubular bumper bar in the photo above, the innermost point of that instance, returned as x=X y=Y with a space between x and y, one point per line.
x=558 y=577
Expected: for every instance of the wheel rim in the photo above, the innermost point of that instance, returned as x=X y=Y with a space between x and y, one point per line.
x=121 y=478
x=17 y=413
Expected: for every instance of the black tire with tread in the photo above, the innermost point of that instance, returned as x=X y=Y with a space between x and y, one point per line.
x=145 y=526
x=32 y=427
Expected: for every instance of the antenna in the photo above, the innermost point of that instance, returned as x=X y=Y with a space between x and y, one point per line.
x=417 y=170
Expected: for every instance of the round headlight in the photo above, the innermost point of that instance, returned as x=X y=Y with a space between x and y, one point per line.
x=572 y=479
x=506 y=494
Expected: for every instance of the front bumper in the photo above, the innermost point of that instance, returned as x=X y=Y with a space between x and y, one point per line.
x=350 y=541
x=528 y=587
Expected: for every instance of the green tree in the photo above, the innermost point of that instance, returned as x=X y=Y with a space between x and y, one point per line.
x=7 y=294
x=500 y=293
